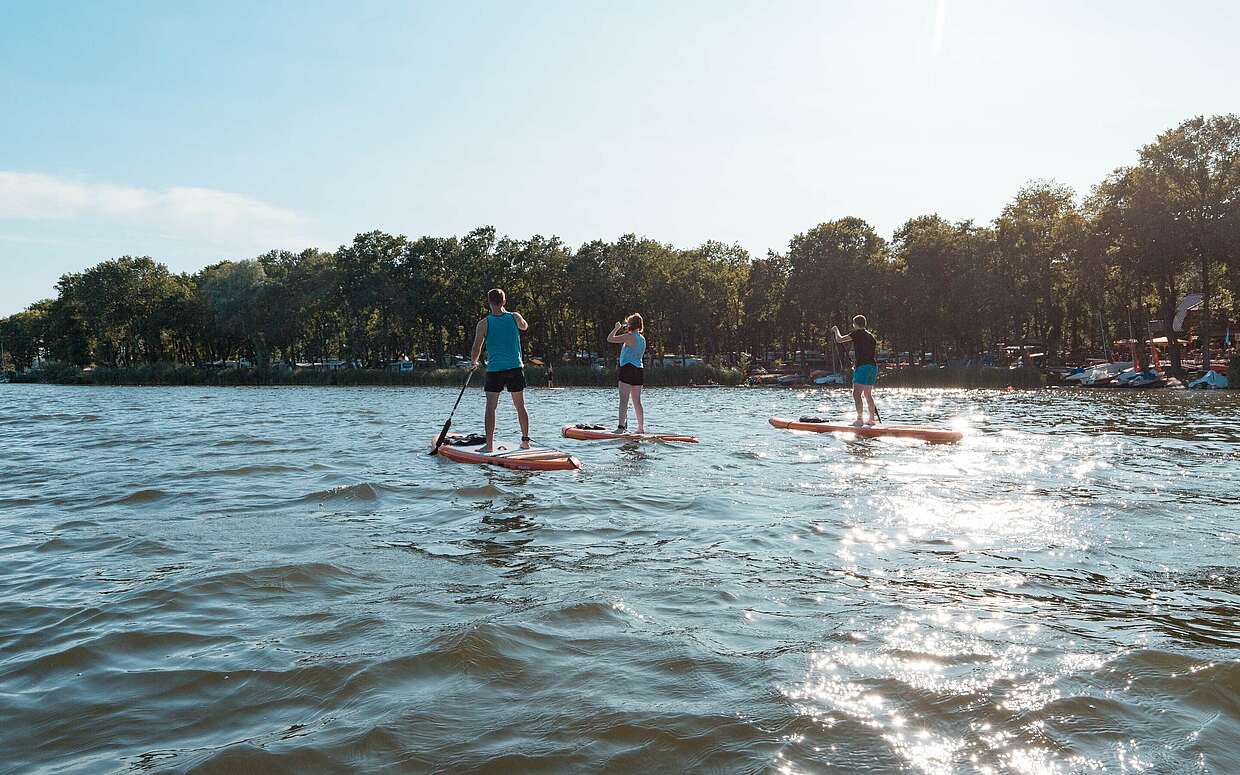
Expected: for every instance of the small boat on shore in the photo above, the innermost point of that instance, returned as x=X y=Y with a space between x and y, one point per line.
x=829 y=379
x=1098 y=375
x=1211 y=380
x=1147 y=379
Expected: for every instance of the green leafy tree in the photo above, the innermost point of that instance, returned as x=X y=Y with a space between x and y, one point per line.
x=765 y=288
x=944 y=286
x=119 y=303
x=1040 y=234
x=836 y=272
x=371 y=294
x=1197 y=167
x=234 y=293
x=21 y=336
x=1144 y=241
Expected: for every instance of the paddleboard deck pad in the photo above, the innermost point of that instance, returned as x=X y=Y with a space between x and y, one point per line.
x=598 y=433
x=934 y=435
x=469 y=450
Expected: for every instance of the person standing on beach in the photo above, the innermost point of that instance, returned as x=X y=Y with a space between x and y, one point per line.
x=865 y=372
x=632 y=375
x=501 y=331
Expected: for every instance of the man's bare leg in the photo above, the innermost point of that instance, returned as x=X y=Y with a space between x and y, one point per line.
x=518 y=401
x=869 y=397
x=492 y=402
x=857 y=391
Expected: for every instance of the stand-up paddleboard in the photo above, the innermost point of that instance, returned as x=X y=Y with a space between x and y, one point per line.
x=598 y=434
x=533 y=459
x=935 y=435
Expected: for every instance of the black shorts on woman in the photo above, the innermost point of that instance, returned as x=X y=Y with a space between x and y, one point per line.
x=632 y=375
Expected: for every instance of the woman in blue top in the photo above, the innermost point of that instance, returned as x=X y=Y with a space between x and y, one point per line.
x=631 y=373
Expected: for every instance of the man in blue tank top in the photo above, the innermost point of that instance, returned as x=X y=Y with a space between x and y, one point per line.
x=501 y=333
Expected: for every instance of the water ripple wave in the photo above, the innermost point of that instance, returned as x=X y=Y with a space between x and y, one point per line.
x=282 y=580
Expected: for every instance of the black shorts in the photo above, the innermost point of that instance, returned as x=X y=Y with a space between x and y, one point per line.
x=512 y=379
x=632 y=375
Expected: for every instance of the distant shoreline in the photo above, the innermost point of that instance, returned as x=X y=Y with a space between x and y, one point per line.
x=702 y=377
x=171 y=375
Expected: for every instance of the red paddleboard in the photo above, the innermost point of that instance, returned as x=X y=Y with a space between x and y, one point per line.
x=934 y=435
x=533 y=459
x=587 y=434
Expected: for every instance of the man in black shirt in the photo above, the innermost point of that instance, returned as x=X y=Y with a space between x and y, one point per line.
x=865 y=374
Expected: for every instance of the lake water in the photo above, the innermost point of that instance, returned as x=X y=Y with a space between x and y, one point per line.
x=282 y=580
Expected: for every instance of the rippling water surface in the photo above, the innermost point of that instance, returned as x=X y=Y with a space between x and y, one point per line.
x=281 y=580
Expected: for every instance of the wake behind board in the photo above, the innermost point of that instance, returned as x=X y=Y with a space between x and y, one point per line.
x=533 y=459
x=933 y=435
x=596 y=434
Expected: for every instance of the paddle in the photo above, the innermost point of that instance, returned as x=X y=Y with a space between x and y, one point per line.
x=443 y=434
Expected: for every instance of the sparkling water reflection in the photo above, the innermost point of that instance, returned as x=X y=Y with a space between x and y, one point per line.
x=283 y=580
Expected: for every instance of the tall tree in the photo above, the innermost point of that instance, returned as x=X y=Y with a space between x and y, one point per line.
x=944 y=284
x=369 y=274
x=1040 y=235
x=234 y=294
x=1198 y=164
x=835 y=272
x=765 y=288
x=1143 y=240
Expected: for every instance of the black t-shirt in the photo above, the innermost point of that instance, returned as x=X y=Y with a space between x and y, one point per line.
x=864 y=346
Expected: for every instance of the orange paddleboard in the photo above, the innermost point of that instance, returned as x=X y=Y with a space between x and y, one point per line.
x=533 y=459
x=934 y=435
x=588 y=434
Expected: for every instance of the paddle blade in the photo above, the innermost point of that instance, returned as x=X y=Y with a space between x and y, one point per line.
x=443 y=434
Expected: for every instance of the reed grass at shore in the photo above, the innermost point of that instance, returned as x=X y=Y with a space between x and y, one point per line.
x=173 y=374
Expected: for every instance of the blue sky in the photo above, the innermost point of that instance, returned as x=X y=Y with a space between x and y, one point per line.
x=201 y=131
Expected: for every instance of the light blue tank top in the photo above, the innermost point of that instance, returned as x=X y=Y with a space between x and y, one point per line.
x=503 y=343
x=632 y=356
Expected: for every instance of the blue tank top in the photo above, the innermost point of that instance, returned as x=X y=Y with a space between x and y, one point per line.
x=503 y=343
x=632 y=356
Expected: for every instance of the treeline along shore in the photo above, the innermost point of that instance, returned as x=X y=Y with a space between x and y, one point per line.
x=169 y=374
x=1065 y=274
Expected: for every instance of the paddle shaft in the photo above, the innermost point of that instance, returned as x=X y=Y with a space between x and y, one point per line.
x=443 y=434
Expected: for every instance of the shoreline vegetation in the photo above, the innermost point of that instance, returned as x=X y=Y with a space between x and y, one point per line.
x=168 y=374
x=1056 y=280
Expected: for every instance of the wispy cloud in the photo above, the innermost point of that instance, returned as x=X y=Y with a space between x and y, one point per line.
x=181 y=212
x=940 y=25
